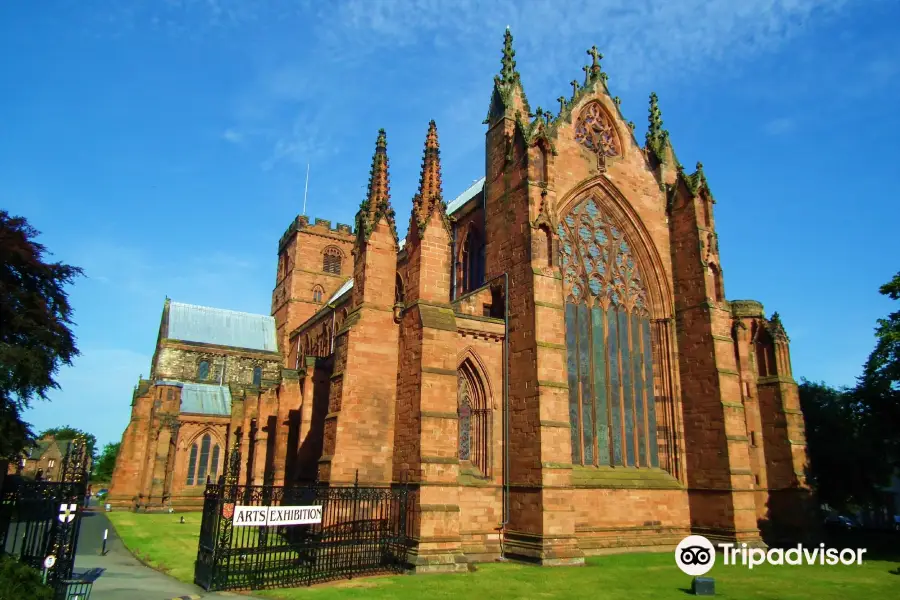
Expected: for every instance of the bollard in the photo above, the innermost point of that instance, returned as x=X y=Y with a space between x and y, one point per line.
x=105 y=535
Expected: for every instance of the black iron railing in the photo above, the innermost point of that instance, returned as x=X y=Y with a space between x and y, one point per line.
x=42 y=518
x=363 y=530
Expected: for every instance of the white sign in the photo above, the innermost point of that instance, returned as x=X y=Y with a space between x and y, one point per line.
x=67 y=512
x=273 y=516
x=49 y=562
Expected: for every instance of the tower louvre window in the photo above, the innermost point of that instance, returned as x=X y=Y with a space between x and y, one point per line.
x=331 y=260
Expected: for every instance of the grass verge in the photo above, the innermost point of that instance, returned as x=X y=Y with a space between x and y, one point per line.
x=163 y=543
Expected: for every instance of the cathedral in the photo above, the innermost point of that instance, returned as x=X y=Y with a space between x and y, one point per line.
x=549 y=359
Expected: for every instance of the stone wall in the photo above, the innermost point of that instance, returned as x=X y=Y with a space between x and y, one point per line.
x=180 y=361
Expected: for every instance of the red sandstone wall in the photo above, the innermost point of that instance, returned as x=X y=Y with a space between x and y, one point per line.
x=629 y=518
x=300 y=270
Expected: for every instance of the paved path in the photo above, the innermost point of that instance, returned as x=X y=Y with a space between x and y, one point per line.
x=124 y=577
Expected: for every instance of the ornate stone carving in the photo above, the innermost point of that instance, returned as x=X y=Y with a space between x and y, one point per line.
x=594 y=130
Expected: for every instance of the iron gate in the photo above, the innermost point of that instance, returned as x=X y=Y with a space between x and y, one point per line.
x=42 y=518
x=364 y=530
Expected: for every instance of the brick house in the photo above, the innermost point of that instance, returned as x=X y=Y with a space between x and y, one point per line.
x=551 y=353
x=43 y=460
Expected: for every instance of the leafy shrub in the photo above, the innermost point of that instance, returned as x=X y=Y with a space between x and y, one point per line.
x=19 y=581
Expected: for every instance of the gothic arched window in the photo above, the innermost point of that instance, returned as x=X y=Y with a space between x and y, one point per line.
x=472 y=261
x=398 y=290
x=201 y=450
x=608 y=343
x=192 y=465
x=257 y=376
x=318 y=294
x=331 y=260
x=203 y=370
x=474 y=419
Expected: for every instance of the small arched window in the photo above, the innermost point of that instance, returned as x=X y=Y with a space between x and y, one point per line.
x=203 y=370
x=331 y=260
x=472 y=259
x=318 y=294
x=398 y=290
x=257 y=376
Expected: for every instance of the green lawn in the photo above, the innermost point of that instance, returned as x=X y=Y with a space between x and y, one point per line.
x=162 y=542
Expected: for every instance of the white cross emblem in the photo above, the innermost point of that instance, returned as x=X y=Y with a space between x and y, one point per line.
x=67 y=512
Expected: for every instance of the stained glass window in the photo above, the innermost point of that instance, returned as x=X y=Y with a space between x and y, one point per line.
x=203 y=370
x=192 y=465
x=257 y=376
x=204 y=458
x=474 y=414
x=214 y=467
x=608 y=343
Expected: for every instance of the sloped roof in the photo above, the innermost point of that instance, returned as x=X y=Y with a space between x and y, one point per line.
x=205 y=399
x=341 y=290
x=467 y=195
x=191 y=323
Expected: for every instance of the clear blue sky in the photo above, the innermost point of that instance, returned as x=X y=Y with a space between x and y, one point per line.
x=162 y=145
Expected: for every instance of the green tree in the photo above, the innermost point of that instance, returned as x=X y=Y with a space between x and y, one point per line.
x=879 y=387
x=103 y=468
x=35 y=327
x=853 y=434
x=846 y=460
x=67 y=432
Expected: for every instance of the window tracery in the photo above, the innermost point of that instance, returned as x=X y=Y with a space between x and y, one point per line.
x=608 y=343
x=474 y=415
x=199 y=463
x=318 y=294
x=595 y=131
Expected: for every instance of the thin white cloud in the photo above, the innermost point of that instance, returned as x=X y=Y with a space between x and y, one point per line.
x=644 y=43
x=233 y=136
x=779 y=126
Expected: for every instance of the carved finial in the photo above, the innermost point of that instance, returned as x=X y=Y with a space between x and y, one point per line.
x=508 y=69
x=776 y=328
x=597 y=57
x=430 y=189
x=377 y=200
x=562 y=104
x=657 y=137
x=574 y=85
x=587 y=75
x=632 y=125
x=618 y=101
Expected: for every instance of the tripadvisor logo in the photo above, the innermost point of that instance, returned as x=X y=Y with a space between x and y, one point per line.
x=695 y=555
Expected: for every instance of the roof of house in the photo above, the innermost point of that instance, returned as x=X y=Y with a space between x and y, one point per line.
x=191 y=323
x=205 y=399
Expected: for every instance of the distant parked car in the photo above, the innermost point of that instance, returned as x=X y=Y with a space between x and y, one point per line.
x=839 y=522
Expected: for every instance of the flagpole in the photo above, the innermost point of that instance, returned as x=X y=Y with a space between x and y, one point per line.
x=306 y=189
